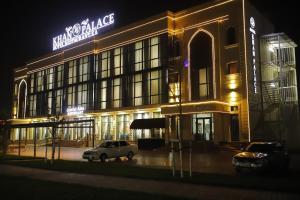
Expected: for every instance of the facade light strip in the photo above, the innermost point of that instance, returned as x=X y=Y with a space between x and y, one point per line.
x=197 y=103
x=19 y=70
x=246 y=68
x=201 y=10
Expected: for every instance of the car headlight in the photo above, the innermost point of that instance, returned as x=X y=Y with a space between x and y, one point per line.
x=234 y=160
x=261 y=155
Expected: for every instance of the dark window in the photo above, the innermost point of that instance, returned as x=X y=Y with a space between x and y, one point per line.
x=232 y=68
x=231 y=37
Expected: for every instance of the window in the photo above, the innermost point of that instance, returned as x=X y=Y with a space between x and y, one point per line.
x=154 y=52
x=72 y=72
x=82 y=95
x=49 y=107
x=96 y=69
x=231 y=37
x=154 y=87
x=40 y=79
x=32 y=105
x=107 y=127
x=201 y=66
x=60 y=76
x=83 y=69
x=58 y=101
x=139 y=56
x=204 y=82
x=122 y=127
x=32 y=85
x=50 y=77
x=232 y=68
x=103 y=93
x=117 y=93
x=71 y=96
x=105 y=64
x=137 y=90
x=174 y=93
x=118 y=61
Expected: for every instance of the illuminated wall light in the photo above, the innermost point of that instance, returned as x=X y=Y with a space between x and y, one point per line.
x=232 y=86
x=233 y=98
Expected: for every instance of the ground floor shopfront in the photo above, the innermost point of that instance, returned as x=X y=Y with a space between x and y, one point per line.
x=216 y=125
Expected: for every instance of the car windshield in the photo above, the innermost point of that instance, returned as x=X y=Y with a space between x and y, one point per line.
x=105 y=144
x=265 y=148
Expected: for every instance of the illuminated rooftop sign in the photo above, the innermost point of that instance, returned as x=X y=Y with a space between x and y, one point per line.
x=75 y=111
x=81 y=31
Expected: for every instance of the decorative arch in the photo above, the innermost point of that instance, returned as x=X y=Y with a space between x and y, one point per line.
x=23 y=81
x=213 y=61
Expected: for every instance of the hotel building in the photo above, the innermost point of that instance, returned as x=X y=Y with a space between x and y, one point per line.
x=217 y=68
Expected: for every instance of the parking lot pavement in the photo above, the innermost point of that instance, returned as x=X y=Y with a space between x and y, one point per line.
x=216 y=162
x=208 y=162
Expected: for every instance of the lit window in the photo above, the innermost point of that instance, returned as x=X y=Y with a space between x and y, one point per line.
x=174 y=93
x=118 y=61
x=49 y=103
x=137 y=89
x=139 y=56
x=154 y=52
x=71 y=97
x=105 y=64
x=204 y=82
x=72 y=72
x=50 y=78
x=82 y=95
x=83 y=69
x=60 y=76
x=117 y=93
x=40 y=78
x=154 y=87
x=58 y=99
x=103 y=98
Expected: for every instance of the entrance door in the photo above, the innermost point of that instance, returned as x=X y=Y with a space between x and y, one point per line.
x=204 y=129
x=234 y=128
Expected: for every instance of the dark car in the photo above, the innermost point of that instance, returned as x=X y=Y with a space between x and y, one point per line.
x=262 y=156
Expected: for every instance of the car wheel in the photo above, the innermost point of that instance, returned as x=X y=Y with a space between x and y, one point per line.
x=130 y=155
x=103 y=157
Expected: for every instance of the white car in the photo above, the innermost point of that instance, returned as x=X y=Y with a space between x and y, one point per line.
x=111 y=149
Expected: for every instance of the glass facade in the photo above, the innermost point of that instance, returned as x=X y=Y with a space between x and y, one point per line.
x=126 y=76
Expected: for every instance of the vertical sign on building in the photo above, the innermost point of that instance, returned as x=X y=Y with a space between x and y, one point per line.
x=253 y=53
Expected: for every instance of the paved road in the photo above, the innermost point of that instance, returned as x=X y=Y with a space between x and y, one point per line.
x=148 y=186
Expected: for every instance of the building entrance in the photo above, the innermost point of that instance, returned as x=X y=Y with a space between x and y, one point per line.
x=203 y=128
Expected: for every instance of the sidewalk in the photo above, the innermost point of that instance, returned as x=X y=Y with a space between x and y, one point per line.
x=147 y=186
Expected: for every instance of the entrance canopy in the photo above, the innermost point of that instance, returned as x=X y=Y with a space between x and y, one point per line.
x=148 y=123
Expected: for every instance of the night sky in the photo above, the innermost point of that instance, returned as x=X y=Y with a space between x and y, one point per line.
x=27 y=27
